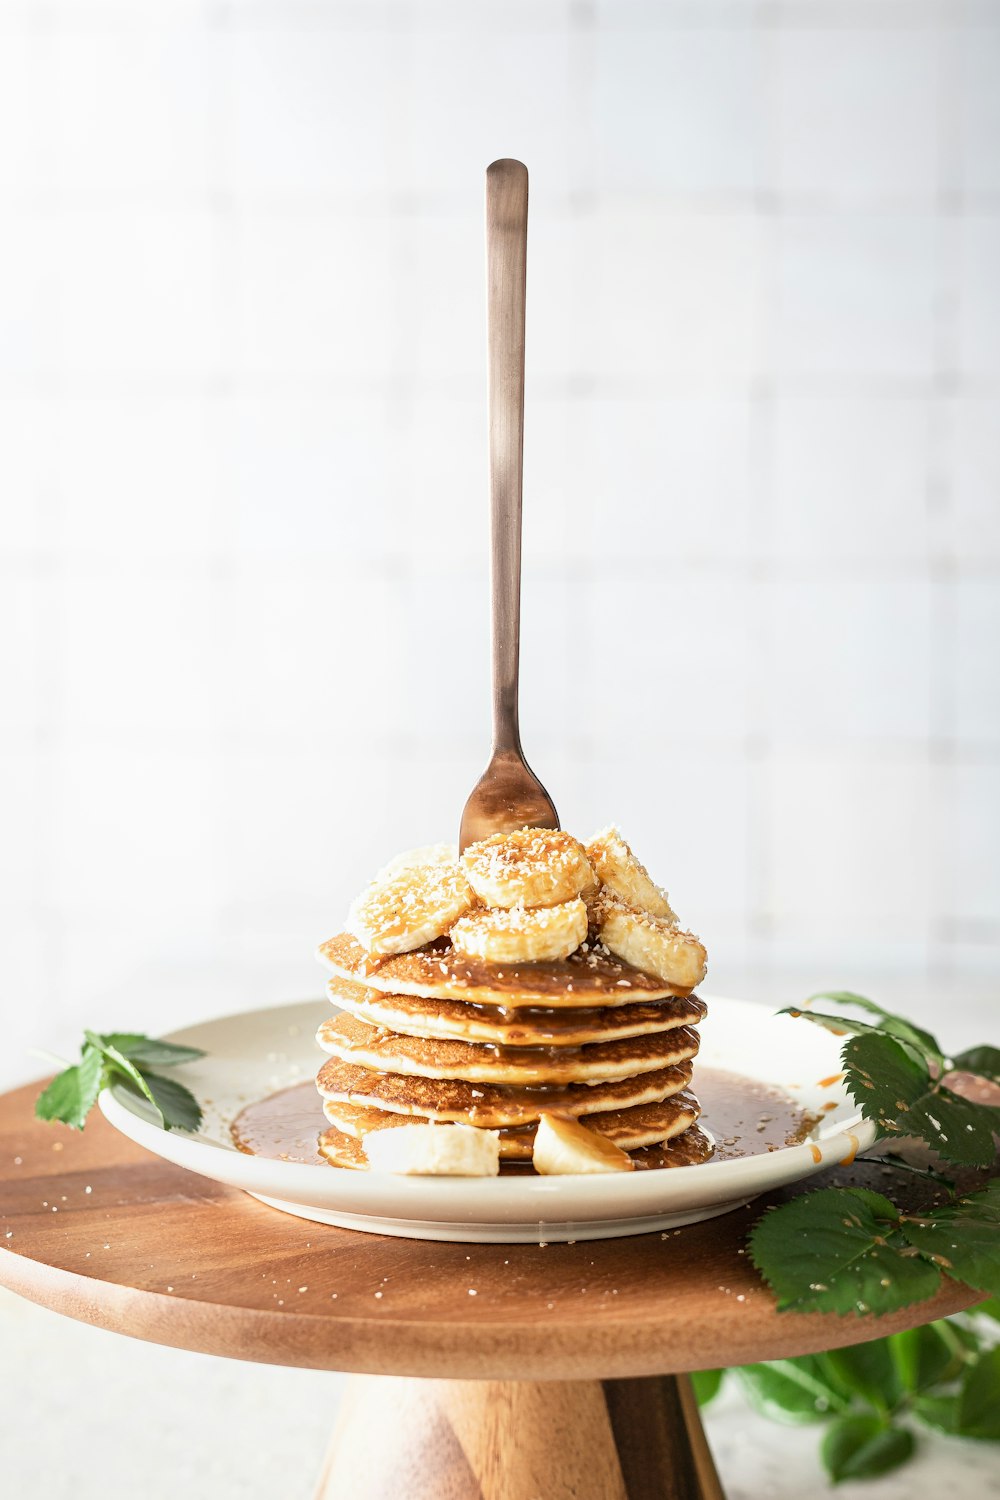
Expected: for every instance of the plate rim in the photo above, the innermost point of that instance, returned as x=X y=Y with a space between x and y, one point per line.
x=605 y=1196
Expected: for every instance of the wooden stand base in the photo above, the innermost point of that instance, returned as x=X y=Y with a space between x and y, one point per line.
x=519 y=1440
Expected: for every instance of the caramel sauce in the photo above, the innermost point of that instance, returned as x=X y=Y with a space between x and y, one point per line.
x=745 y=1117
x=590 y=976
x=493 y=1105
x=283 y=1127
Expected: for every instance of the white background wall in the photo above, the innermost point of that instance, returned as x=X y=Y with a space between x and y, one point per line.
x=242 y=461
x=243 y=619
x=243 y=615
x=241 y=389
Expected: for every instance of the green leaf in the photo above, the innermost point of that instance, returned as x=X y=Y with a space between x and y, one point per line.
x=958 y=1129
x=862 y=1447
x=72 y=1093
x=921 y=1043
x=920 y=1040
x=989 y=1309
x=979 y=1399
x=791 y=1390
x=895 y=1025
x=842 y=1249
x=922 y=1357
x=939 y=1412
x=117 y=1062
x=900 y=1164
x=896 y=1090
x=962 y=1237
x=178 y=1106
x=122 y=1057
x=983 y=1061
x=706 y=1385
x=148 y=1051
x=848 y=997
x=869 y=1371
x=839 y=1025
x=838 y=1250
x=885 y=1079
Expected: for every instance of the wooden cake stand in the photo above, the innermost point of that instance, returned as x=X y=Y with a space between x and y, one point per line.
x=544 y=1372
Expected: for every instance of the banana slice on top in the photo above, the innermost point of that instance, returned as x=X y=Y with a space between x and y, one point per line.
x=425 y=854
x=653 y=944
x=624 y=876
x=522 y=934
x=419 y=903
x=533 y=867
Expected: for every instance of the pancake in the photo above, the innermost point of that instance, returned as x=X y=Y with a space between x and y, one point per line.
x=527 y=1026
x=590 y=976
x=491 y=1105
x=647 y=1126
x=342 y=1150
x=688 y=1149
x=356 y=1042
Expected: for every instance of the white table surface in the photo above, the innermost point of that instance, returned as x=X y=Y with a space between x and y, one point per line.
x=92 y=1414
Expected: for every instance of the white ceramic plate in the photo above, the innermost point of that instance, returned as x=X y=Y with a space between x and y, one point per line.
x=251 y=1055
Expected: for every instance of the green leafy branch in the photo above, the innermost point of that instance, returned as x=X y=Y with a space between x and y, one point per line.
x=874 y=1398
x=898 y=1077
x=850 y=1249
x=122 y=1061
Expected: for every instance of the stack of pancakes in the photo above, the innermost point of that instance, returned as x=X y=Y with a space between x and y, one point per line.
x=435 y=1035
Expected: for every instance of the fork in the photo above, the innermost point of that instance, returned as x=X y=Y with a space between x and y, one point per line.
x=508 y=795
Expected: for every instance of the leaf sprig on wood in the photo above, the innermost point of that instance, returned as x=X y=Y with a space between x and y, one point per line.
x=848 y=1249
x=122 y=1061
x=874 y=1398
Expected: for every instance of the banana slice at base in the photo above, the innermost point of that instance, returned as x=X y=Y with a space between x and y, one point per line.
x=533 y=867
x=653 y=945
x=563 y=1146
x=429 y=1150
x=410 y=908
x=522 y=934
x=625 y=877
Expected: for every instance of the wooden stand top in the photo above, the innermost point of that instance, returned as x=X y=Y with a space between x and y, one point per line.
x=94 y=1227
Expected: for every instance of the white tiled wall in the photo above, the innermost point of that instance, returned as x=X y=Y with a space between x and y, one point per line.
x=243 y=611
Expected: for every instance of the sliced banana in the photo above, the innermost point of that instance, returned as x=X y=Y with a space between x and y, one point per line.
x=623 y=875
x=428 y=1150
x=522 y=934
x=564 y=1146
x=413 y=907
x=424 y=854
x=533 y=867
x=652 y=944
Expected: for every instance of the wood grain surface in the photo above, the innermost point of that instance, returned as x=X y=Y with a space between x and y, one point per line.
x=94 y=1227
x=519 y=1440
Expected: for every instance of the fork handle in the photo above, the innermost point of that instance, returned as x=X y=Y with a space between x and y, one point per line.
x=506 y=258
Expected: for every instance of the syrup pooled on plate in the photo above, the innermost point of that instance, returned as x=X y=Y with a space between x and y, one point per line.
x=745 y=1116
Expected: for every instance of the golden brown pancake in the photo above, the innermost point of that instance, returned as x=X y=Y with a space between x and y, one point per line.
x=587 y=978
x=527 y=1026
x=492 y=1105
x=631 y=1128
x=688 y=1149
x=342 y=1150
x=647 y=1126
x=356 y=1042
